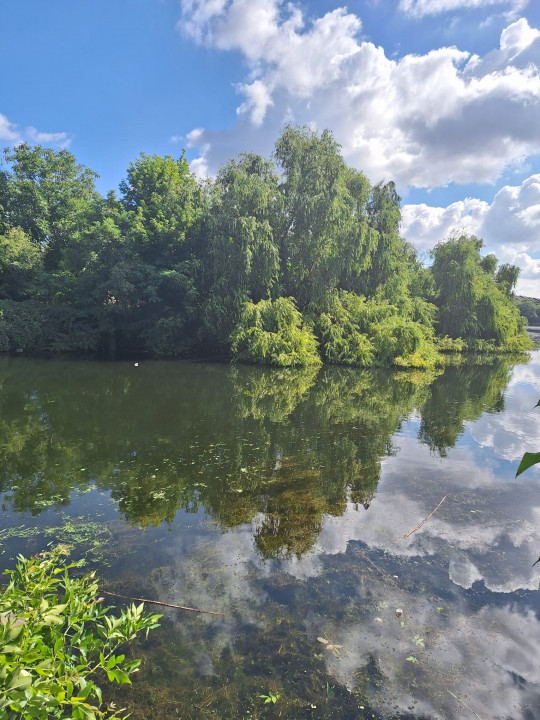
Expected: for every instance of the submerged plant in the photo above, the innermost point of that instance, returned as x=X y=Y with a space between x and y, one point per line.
x=57 y=642
x=270 y=698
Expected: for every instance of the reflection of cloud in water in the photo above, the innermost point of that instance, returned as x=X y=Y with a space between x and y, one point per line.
x=483 y=539
x=489 y=659
x=515 y=431
x=490 y=525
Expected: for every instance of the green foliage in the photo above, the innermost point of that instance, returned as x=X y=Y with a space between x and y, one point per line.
x=323 y=233
x=20 y=262
x=507 y=277
x=242 y=260
x=167 y=268
x=273 y=333
x=338 y=328
x=472 y=304
x=50 y=197
x=405 y=343
x=355 y=331
x=450 y=345
x=270 y=698
x=528 y=459
x=38 y=328
x=21 y=326
x=57 y=641
x=530 y=308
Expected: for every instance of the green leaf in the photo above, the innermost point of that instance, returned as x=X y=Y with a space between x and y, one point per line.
x=12 y=650
x=120 y=676
x=21 y=679
x=527 y=461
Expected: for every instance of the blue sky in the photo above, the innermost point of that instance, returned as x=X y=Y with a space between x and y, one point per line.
x=442 y=96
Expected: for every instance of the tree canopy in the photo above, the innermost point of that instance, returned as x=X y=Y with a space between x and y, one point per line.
x=285 y=261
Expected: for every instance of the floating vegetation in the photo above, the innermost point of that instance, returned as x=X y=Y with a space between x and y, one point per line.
x=85 y=536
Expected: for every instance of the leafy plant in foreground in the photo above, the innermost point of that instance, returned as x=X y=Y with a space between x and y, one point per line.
x=528 y=459
x=57 y=641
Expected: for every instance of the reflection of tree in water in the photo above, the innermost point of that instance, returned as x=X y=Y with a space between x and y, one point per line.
x=461 y=394
x=282 y=448
x=293 y=506
x=270 y=393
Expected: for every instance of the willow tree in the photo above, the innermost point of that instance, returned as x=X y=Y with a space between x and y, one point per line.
x=323 y=233
x=241 y=262
x=474 y=305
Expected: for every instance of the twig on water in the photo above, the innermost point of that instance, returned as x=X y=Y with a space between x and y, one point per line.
x=164 y=604
x=463 y=703
x=420 y=525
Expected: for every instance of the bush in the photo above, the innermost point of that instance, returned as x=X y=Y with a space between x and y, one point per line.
x=448 y=344
x=57 y=641
x=40 y=328
x=273 y=333
x=341 y=339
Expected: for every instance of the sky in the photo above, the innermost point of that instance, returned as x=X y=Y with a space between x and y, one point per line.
x=441 y=96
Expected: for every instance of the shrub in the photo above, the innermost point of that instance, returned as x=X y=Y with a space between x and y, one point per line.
x=448 y=344
x=57 y=641
x=341 y=339
x=273 y=333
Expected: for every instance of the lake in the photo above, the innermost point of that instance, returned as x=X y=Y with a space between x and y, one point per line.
x=306 y=506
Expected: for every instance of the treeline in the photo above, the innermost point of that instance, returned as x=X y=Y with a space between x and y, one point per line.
x=530 y=309
x=282 y=262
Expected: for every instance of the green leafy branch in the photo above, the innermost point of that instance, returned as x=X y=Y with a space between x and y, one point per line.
x=528 y=459
x=57 y=641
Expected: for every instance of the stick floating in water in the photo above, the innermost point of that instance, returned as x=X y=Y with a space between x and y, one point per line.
x=164 y=604
x=420 y=525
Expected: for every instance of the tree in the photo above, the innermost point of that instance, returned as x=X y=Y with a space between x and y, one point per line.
x=51 y=197
x=387 y=260
x=507 y=277
x=160 y=206
x=472 y=305
x=20 y=263
x=241 y=260
x=323 y=233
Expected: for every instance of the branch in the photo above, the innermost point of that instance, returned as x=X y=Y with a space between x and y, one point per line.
x=157 y=602
x=420 y=525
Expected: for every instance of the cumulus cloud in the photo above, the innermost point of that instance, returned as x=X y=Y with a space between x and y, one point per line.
x=509 y=226
x=12 y=134
x=421 y=120
x=8 y=131
x=419 y=8
x=61 y=139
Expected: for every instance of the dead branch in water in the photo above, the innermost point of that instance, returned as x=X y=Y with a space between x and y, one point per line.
x=420 y=525
x=164 y=604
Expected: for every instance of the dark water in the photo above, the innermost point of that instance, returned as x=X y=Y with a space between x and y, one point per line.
x=282 y=499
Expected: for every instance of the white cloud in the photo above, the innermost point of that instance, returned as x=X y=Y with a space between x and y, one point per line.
x=518 y=37
x=422 y=120
x=509 y=226
x=419 y=8
x=10 y=133
x=258 y=99
x=43 y=138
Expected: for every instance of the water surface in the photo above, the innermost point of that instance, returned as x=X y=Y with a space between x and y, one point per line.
x=286 y=499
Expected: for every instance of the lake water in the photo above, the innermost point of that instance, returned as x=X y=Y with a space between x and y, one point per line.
x=286 y=500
